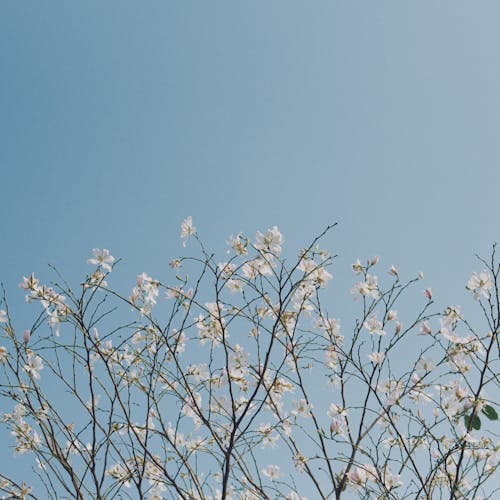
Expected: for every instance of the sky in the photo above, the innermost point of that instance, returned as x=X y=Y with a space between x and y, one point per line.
x=118 y=119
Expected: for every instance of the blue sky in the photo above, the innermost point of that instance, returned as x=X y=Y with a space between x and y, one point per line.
x=118 y=119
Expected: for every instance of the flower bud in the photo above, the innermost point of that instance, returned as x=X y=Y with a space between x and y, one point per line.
x=392 y=315
x=26 y=336
x=428 y=293
x=394 y=271
x=335 y=426
x=425 y=329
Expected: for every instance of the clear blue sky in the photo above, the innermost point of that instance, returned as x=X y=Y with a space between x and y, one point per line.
x=120 y=118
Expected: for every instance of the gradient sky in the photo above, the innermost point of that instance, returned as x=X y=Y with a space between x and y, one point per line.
x=118 y=119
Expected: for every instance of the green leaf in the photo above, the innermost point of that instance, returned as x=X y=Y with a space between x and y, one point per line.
x=476 y=422
x=490 y=412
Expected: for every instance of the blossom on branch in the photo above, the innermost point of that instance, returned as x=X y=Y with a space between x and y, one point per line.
x=480 y=285
x=187 y=229
x=102 y=258
x=269 y=242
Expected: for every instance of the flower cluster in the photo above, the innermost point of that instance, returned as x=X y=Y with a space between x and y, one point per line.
x=237 y=379
x=144 y=295
x=54 y=303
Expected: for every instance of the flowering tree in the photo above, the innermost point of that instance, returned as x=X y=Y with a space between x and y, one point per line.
x=241 y=385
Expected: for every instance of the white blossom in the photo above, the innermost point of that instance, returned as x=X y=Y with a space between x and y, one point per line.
x=120 y=473
x=187 y=229
x=272 y=472
x=239 y=244
x=102 y=258
x=480 y=285
x=269 y=242
x=376 y=357
x=336 y=411
x=357 y=267
x=374 y=326
x=357 y=476
x=294 y=496
x=34 y=366
x=367 y=288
